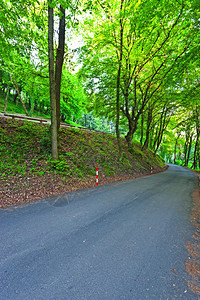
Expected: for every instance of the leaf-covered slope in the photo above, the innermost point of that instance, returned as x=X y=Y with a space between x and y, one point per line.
x=27 y=171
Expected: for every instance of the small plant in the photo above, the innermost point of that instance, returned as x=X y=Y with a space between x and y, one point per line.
x=68 y=153
x=41 y=173
x=59 y=166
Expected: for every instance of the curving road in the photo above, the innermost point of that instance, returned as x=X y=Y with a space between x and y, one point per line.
x=120 y=241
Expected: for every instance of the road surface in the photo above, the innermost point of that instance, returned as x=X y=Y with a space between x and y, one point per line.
x=124 y=240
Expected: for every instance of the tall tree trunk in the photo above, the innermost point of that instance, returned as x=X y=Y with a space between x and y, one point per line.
x=198 y=133
x=133 y=123
x=118 y=81
x=129 y=136
x=189 y=150
x=118 y=109
x=59 y=62
x=195 y=154
x=175 y=148
x=54 y=132
x=187 y=136
x=142 y=129
x=149 y=121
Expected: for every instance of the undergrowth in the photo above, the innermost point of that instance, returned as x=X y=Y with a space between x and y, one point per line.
x=25 y=149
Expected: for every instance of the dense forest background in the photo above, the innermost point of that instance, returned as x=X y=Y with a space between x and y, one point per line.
x=129 y=67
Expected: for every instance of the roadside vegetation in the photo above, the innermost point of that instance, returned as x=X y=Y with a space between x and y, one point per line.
x=28 y=172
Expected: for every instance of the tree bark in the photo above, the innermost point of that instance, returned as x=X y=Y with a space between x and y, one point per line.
x=129 y=136
x=118 y=82
x=175 y=148
x=54 y=132
x=59 y=63
x=187 y=136
x=149 y=121
x=142 y=129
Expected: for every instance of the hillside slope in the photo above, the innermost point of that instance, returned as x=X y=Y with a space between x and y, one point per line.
x=28 y=173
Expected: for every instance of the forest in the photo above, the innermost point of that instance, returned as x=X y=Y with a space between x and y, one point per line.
x=128 y=67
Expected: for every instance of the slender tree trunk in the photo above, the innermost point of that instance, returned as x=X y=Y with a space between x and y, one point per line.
x=118 y=82
x=59 y=63
x=175 y=148
x=118 y=109
x=186 y=147
x=17 y=89
x=195 y=155
x=196 y=161
x=198 y=133
x=6 y=99
x=185 y=154
x=142 y=129
x=149 y=120
x=54 y=132
x=189 y=150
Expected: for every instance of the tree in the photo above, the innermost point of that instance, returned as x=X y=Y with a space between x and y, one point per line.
x=52 y=86
x=59 y=62
x=148 y=45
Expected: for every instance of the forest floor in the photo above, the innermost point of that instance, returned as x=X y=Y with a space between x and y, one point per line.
x=28 y=173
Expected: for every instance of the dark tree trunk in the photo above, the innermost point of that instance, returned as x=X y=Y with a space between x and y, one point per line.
x=118 y=109
x=198 y=133
x=163 y=125
x=54 y=132
x=15 y=98
x=133 y=123
x=129 y=137
x=186 y=148
x=142 y=129
x=195 y=155
x=149 y=121
x=189 y=150
x=59 y=63
x=118 y=82
x=175 y=148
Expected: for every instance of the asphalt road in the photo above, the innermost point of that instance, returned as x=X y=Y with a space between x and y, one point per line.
x=120 y=241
